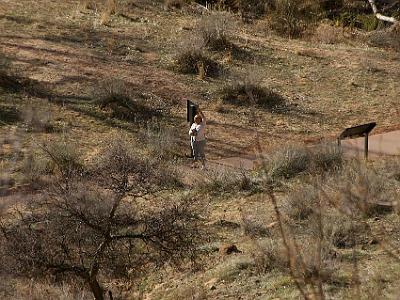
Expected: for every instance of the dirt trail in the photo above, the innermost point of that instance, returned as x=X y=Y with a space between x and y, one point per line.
x=383 y=144
x=379 y=145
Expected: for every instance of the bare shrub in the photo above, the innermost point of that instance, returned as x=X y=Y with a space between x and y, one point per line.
x=11 y=81
x=292 y=18
x=343 y=232
x=389 y=38
x=226 y=182
x=268 y=256
x=196 y=61
x=294 y=161
x=162 y=141
x=87 y=4
x=121 y=158
x=178 y=4
x=328 y=34
x=288 y=163
x=326 y=158
x=109 y=9
x=301 y=202
x=38 y=118
x=95 y=229
x=34 y=168
x=65 y=159
x=358 y=190
x=253 y=227
x=115 y=98
x=315 y=261
x=214 y=30
x=247 y=93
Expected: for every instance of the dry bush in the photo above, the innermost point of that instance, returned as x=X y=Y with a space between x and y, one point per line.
x=65 y=159
x=215 y=30
x=292 y=18
x=38 y=118
x=87 y=4
x=34 y=169
x=294 y=161
x=253 y=227
x=302 y=202
x=162 y=141
x=9 y=114
x=21 y=288
x=269 y=255
x=343 y=232
x=359 y=190
x=248 y=8
x=315 y=261
x=94 y=228
x=196 y=61
x=389 y=38
x=287 y=163
x=248 y=93
x=115 y=98
x=12 y=82
x=177 y=4
x=121 y=157
x=227 y=182
x=328 y=34
x=109 y=9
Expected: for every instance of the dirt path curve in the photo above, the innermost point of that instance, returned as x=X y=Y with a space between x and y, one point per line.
x=383 y=144
x=379 y=145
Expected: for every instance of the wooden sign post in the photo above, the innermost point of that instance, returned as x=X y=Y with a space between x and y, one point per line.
x=358 y=131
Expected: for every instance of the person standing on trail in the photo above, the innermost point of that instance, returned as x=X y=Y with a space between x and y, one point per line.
x=198 y=139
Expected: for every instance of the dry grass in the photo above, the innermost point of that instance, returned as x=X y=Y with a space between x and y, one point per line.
x=249 y=94
x=195 y=61
x=116 y=99
x=328 y=34
x=389 y=38
x=109 y=9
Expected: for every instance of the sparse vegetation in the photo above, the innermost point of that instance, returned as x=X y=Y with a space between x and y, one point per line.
x=97 y=198
x=195 y=61
x=294 y=161
x=116 y=99
x=245 y=94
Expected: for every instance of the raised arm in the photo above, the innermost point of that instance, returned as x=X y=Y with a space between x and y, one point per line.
x=201 y=114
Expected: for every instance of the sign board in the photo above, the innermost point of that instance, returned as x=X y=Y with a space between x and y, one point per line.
x=358 y=131
x=191 y=111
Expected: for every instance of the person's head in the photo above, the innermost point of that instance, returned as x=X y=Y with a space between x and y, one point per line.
x=197 y=119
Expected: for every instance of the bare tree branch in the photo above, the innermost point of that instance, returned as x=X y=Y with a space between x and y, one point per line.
x=379 y=16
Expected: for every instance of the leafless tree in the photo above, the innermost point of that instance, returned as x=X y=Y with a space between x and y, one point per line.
x=94 y=227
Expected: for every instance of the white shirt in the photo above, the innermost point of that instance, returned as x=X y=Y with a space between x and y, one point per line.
x=201 y=130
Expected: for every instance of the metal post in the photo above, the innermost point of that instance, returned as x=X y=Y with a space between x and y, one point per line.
x=366 y=146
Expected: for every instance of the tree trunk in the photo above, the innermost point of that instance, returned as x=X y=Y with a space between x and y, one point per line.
x=96 y=288
x=378 y=15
